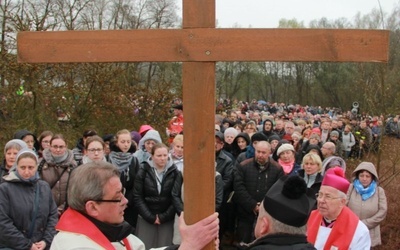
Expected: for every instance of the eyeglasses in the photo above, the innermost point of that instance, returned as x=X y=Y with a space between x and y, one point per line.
x=123 y=190
x=326 y=197
x=94 y=150
x=58 y=147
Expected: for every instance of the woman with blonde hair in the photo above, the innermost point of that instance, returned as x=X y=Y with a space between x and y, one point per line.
x=311 y=172
x=122 y=156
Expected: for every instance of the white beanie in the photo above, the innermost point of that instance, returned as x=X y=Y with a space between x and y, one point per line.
x=285 y=147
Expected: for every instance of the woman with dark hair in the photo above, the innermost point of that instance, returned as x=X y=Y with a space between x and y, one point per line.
x=44 y=141
x=157 y=188
x=28 y=214
x=55 y=168
x=94 y=150
x=368 y=200
x=239 y=144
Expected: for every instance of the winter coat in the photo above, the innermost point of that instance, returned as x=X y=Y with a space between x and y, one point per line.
x=281 y=242
x=348 y=141
x=371 y=211
x=148 y=200
x=225 y=167
x=17 y=199
x=251 y=184
x=57 y=175
x=128 y=166
x=3 y=171
x=78 y=151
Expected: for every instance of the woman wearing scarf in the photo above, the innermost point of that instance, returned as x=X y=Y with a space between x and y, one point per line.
x=368 y=200
x=286 y=159
x=28 y=213
x=55 y=168
x=122 y=157
x=157 y=189
x=94 y=150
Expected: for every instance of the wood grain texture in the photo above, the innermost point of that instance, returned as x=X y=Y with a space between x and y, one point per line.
x=204 y=45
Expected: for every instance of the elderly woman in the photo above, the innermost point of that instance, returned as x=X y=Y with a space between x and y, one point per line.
x=11 y=150
x=28 y=213
x=311 y=172
x=368 y=200
x=286 y=159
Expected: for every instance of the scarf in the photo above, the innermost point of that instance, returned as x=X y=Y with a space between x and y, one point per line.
x=121 y=160
x=367 y=192
x=32 y=179
x=286 y=166
x=60 y=159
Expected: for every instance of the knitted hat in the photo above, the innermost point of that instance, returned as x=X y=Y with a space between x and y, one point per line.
x=285 y=147
x=316 y=131
x=136 y=136
x=231 y=131
x=287 y=202
x=334 y=133
x=274 y=137
x=259 y=136
x=219 y=135
x=144 y=128
x=334 y=177
x=15 y=142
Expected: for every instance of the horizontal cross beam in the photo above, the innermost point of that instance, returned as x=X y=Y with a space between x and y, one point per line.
x=204 y=45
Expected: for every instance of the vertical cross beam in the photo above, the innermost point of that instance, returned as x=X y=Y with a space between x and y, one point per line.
x=198 y=80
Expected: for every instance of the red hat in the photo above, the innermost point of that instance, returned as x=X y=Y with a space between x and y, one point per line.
x=144 y=128
x=316 y=131
x=334 y=177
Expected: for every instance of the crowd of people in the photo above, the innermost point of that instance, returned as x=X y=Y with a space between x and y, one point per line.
x=279 y=175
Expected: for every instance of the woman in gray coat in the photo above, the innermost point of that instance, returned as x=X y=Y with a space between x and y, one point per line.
x=368 y=200
x=28 y=213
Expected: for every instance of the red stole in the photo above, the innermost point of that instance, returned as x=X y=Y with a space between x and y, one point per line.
x=73 y=221
x=342 y=232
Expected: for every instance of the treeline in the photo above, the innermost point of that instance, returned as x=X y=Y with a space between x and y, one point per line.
x=69 y=98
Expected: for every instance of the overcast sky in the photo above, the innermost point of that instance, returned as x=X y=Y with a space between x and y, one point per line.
x=267 y=13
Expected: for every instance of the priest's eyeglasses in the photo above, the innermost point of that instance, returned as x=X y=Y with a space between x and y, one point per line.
x=326 y=197
x=123 y=190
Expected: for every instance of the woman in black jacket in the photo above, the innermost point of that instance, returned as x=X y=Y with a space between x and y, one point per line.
x=157 y=186
x=28 y=213
x=122 y=157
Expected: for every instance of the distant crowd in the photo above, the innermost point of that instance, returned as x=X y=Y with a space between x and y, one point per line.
x=258 y=146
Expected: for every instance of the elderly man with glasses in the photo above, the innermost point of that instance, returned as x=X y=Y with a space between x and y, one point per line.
x=333 y=225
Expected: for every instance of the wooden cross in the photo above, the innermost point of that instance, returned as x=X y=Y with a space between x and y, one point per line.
x=199 y=45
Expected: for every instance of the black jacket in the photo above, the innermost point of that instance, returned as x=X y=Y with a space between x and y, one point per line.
x=225 y=168
x=251 y=184
x=282 y=242
x=148 y=201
